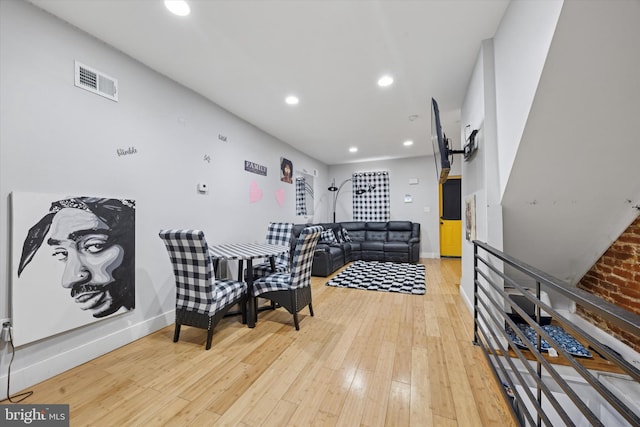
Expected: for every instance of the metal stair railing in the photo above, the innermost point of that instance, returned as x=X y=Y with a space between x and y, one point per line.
x=520 y=374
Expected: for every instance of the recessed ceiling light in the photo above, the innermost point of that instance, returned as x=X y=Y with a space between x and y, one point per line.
x=291 y=100
x=407 y=143
x=385 y=81
x=353 y=149
x=177 y=7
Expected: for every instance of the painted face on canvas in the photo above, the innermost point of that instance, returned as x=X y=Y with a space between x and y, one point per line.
x=84 y=244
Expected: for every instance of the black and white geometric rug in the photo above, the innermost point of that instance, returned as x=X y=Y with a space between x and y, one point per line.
x=383 y=276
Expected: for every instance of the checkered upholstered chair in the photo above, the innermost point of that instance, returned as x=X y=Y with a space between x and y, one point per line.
x=293 y=290
x=279 y=233
x=201 y=299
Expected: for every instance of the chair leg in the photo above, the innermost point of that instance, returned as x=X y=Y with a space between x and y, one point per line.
x=209 y=338
x=255 y=310
x=295 y=321
x=243 y=310
x=176 y=332
x=311 y=309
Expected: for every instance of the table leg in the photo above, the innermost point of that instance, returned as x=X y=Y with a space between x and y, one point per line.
x=272 y=305
x=240 y=273
x=251 y=301
x=240 y=279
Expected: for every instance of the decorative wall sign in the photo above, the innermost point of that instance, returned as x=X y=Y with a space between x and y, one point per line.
x=207 y=158
x=280 y=196
x=127 y=151
x=222 y=138
x=255 y=192
x=73 y=262
x=255 y=168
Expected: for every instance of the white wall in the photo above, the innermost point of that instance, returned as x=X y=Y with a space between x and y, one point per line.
x=423 y=195
x=56 y=138
x=474 y=179
x=562 y=134
x=497 y=103
x=575 y=177
x=521 y=44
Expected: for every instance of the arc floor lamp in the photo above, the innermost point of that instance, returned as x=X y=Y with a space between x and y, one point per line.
x=336 y=191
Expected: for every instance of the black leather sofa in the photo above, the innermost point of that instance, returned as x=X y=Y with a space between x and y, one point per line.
x=395 y=241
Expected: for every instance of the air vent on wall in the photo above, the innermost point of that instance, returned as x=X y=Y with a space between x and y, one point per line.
x=96 y=81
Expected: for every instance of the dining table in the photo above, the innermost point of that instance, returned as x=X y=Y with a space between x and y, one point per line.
x=248 y=252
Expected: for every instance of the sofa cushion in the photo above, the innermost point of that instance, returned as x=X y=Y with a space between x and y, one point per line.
x=399 y=236
x=379 y=226
x=396 y=247
x=399 y=225
x=355 y=249
x=355 y=229
x=396 y=256
x=345 y=235
x=357 y=235
x=380 y=236
x=372 y=250
x=354 y=225
x=372 y=245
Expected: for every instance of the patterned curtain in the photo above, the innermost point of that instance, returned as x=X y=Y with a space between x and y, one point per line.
x=374 y=203
x=301 y=199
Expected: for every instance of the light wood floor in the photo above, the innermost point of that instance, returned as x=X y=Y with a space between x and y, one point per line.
x=365 y=359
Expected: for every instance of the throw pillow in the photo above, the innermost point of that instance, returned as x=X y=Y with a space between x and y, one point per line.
x=345 y=235
x=327 y=236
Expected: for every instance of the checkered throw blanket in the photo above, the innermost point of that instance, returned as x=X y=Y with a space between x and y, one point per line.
x=382 y=276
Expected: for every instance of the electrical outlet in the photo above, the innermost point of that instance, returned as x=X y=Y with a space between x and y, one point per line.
x=4 y=330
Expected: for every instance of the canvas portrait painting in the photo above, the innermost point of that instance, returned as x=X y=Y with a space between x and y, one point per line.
x=286 y=170
x=470 y=217
x=73 y=262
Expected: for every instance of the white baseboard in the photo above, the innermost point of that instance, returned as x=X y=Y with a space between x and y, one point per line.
x=466 y=300
x=66 y=359
x=427 y=255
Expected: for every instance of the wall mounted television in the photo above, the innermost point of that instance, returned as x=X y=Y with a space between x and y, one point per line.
x=440 y=144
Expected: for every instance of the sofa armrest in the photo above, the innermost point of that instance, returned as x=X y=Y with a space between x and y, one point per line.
x=322 y=247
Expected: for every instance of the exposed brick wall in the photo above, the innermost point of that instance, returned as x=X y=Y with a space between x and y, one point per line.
x=615 y=277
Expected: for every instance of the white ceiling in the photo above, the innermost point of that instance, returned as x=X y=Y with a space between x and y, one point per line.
x=248 y=55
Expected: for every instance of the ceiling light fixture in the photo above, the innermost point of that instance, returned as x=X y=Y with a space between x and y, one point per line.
x=407 y=143
x=353 y=149
x=291 y=100
x=177 y=7
x=385 y=81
